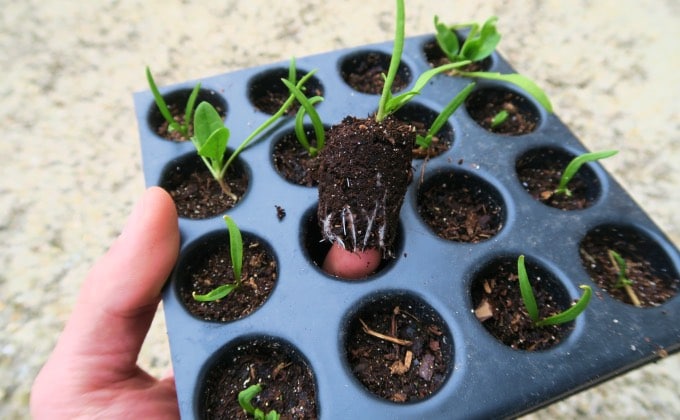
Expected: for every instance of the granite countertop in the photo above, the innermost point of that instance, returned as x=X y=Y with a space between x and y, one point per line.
x=71 y=159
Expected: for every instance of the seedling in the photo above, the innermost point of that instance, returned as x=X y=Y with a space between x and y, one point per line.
x=425 y=141
x=173 y=125
x=530 y=301
x=575 y=165
x=478 y=45
x=499 y=118
x=623 y=281
x=244 y=400
x=236 y=254
x=306 y=108
x=211 y=137
x=390 y=104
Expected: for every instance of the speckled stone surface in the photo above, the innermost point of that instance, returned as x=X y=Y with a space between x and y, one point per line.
x=70 y=153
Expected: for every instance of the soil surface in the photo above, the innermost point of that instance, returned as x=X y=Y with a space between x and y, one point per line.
x=510 y=323
x=436 y=57
x=366 y=74
x=484 y=104
x=405 y=372
x=364 y=172
x=460 y=209
x=288 y=384
x=213 y=268
x=292 y=161
x=654 y=279
x=196 y=193
x=540 y=173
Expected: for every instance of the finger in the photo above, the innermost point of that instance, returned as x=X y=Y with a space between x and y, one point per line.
x=121 y=293
x=351 y=265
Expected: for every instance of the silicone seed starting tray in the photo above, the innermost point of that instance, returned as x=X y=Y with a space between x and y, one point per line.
x=309 y=313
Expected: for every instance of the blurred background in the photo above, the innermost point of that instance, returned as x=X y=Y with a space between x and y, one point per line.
x=70 y=159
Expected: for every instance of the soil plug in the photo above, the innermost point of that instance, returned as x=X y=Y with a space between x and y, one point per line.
x=365 y=166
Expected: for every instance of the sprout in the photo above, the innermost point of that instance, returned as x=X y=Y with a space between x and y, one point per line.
x=211 y=137
x=479 y=44
x=182 y=128
x=306 y=108
x=623 y=281
x=236 y=254
x=499 y=118
x=244 y=400
x=576 y=164
x=530 y=301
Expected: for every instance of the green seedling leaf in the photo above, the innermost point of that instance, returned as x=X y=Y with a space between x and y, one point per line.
x=526 y=291
x=397 y=50
x=530 y=301
x=244 y=400
x=447 y=40
x=206 y=121
x=622 y=279
x=236 y=254
x=622 y=267
x=480 y=44
x=292 y=71
x=307 y=107
x=499 y=118
x=457 y=101
x=576 y=164
x=215 y=294
x=518 y=80
x=188 y=111
x=160 y=102
x=235 y=247
x=210 y=137
x=571 y=313
x=246 y=396
x=300 y=133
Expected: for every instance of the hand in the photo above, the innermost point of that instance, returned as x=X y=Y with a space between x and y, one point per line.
x=93 y=370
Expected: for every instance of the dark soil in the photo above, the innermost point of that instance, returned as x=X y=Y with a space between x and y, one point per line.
x=499 y=286
x=364 y=172
x=292 y=161
x=196 y=193
x=436 y=57
x=654 y=279
x=484 y=104
x=540 y=172
x=365 y=74
x=459 y=208
x=383 y=367
x=212 y=267
x=288 y=384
